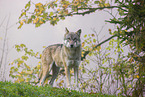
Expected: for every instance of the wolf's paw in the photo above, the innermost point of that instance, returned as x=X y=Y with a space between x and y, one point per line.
x=69 y=88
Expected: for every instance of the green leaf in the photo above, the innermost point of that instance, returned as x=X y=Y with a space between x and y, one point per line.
x=28 y=67
x=20 y=26
x=22 y=45
x=51 y=14
x=63 y=18
x=97 y=2
x=94 y=40
x=23 y=13
x=103 y=61
x=28 y=5
x=45 y=15
x=29 y=21
x=55 y=5
x=25 y=58
x=90 y=54
x=17 y=46
x=20 y=61
x=49 y=6
x=13 y=76
x=85 y=36
x=16 y=69
x=37 y=24
x=18 y=50
x=12 y=68
x=33 y=16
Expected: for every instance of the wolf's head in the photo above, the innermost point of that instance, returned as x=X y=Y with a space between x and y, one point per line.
x=72 y=39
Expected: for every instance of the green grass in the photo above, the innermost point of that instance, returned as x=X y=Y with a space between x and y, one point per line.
x=9 y=89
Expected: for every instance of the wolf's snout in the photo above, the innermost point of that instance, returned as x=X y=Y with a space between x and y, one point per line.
x=71 y=45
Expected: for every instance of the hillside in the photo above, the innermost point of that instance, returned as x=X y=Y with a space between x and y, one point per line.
x=9 y=89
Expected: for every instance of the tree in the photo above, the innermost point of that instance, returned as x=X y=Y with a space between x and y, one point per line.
x=4 y=47
x=130 y=29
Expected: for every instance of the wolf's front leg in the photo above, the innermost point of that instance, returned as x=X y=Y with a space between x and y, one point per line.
x=67 y=72
x=76 y=78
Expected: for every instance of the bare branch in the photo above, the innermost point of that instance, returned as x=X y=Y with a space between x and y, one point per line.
x=87 y=52
x=2 y=21
x=90 y=10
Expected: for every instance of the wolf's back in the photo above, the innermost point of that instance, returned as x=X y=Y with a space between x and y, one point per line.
x=52 y=49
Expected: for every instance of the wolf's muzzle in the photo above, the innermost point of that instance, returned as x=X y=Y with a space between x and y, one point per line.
x=71 y=45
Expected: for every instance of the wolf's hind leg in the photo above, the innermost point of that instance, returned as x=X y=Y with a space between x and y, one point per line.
x=55 y=71
x=40 y=75
x=46 y=68
x=44 y=74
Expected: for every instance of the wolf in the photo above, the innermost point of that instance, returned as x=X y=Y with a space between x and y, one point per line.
x=66 y=55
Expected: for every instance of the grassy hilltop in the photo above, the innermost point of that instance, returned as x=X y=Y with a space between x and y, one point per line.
x=9 y=89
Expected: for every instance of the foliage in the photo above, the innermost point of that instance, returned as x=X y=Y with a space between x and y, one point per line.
x=8 y=89
x=114 y=73
x=22 y=72
x=57 y=10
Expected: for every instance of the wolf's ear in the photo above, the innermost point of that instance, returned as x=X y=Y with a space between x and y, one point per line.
x=79 y=32
x=66 y=30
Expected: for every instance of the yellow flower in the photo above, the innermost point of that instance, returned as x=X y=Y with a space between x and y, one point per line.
x=58 y=9
x=137 y=76
x=21 y=22
x=41 y=22
x=54 y=19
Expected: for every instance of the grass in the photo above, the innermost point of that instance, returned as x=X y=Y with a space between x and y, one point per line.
x=9 y=89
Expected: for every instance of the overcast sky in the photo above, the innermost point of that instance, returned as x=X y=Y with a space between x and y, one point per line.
x=36 y=38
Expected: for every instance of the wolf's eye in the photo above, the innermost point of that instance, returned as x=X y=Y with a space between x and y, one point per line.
x=74 y=38
x=68 y=38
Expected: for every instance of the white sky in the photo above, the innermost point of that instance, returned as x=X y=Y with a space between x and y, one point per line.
x=36 y=38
